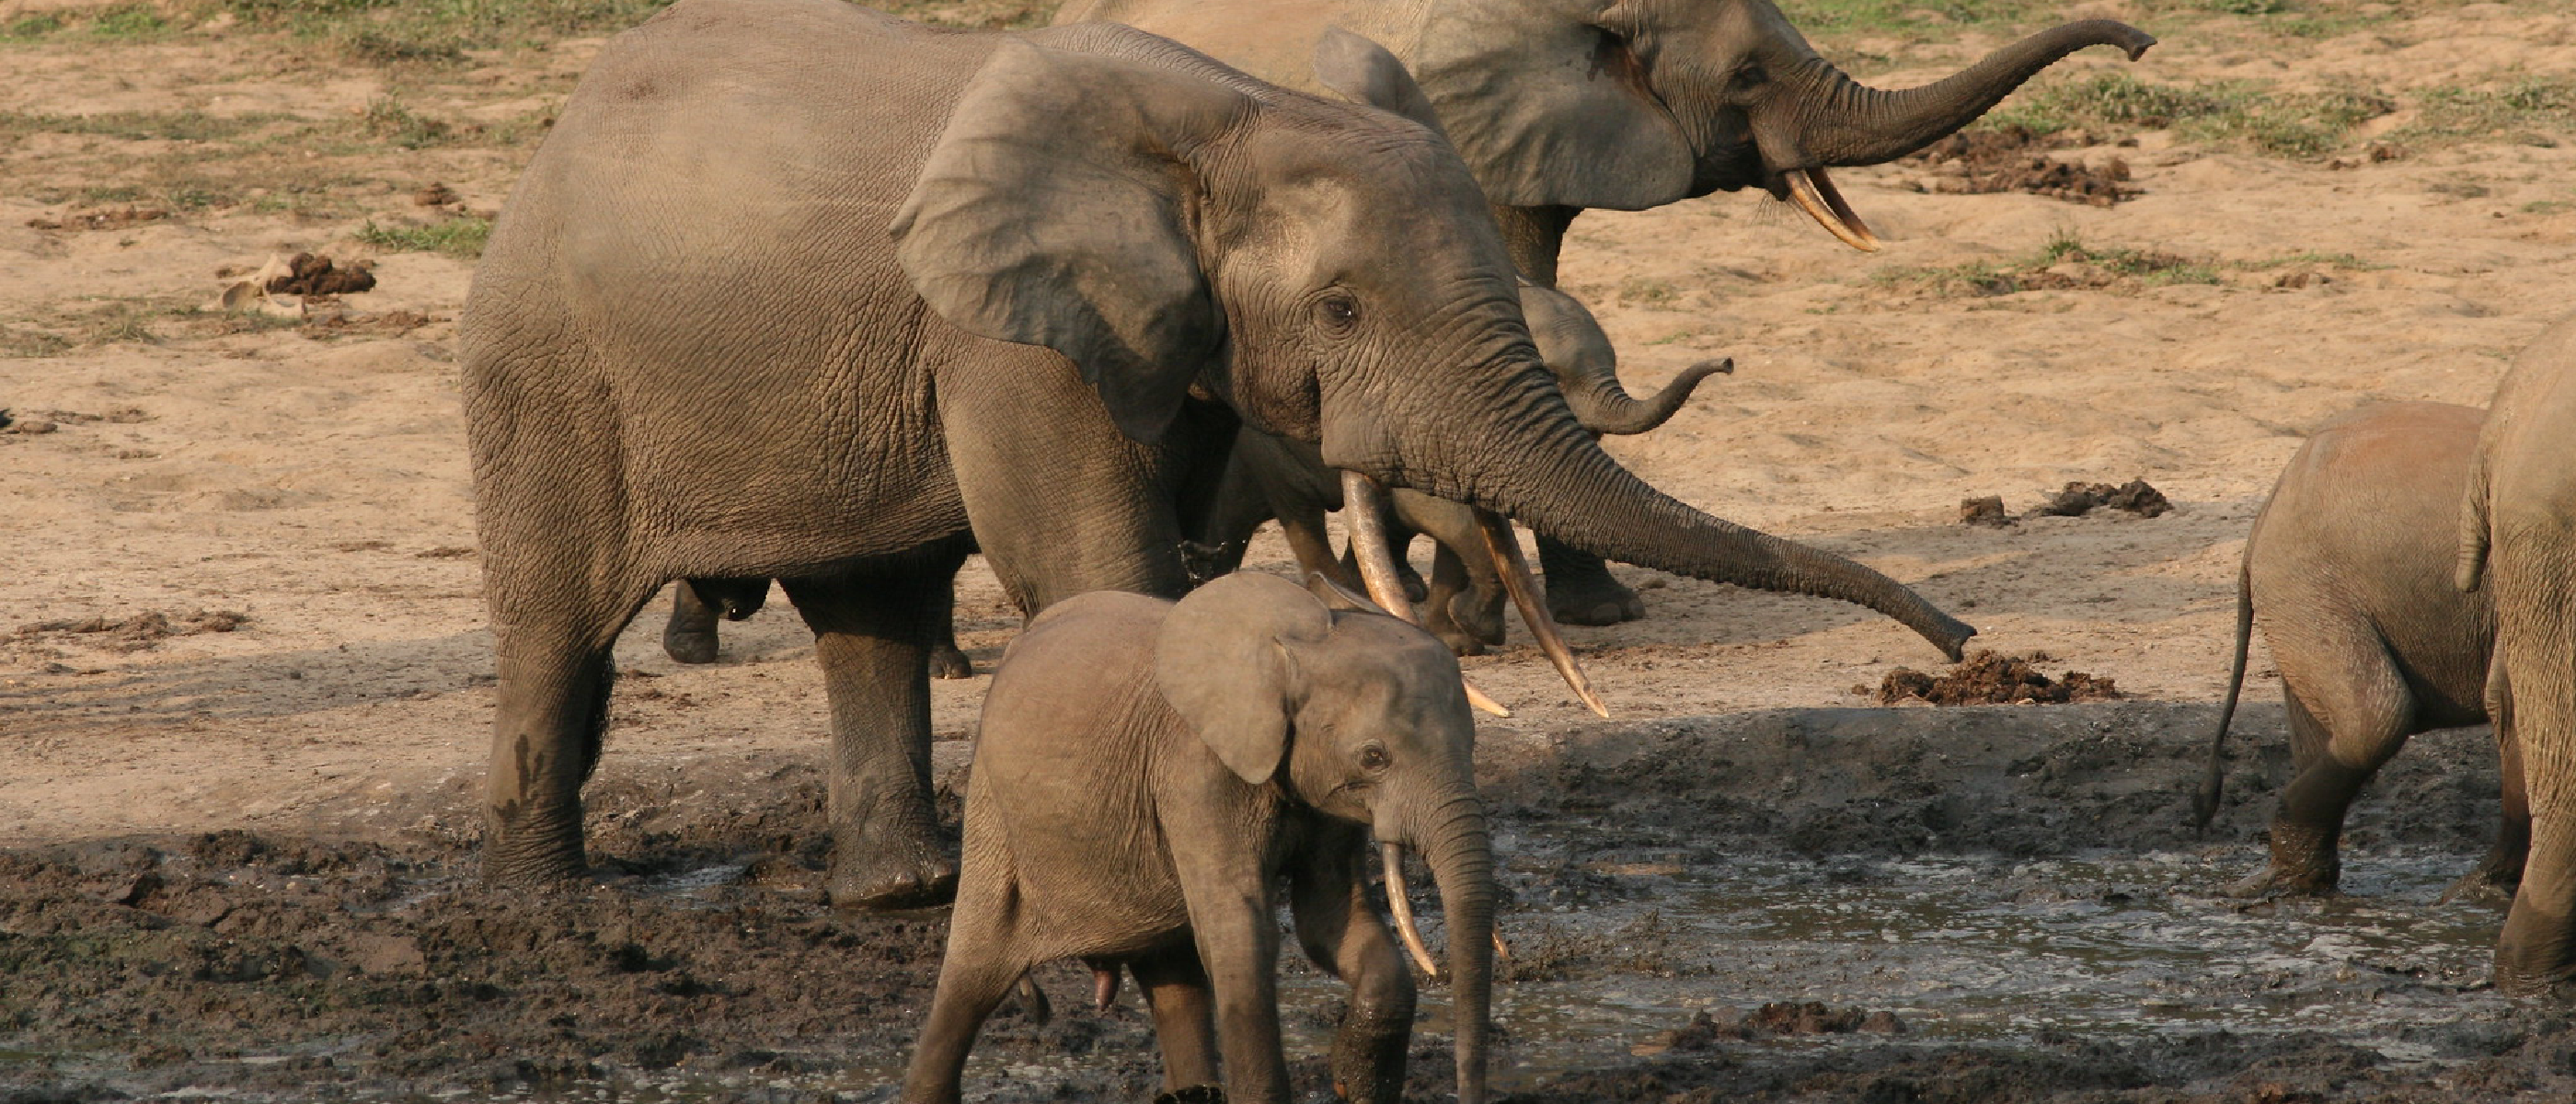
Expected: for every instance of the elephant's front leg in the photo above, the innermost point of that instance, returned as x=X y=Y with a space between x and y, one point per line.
x=873 y=631
x=1218 y=852
x=1342 y=934
x=1580 y=590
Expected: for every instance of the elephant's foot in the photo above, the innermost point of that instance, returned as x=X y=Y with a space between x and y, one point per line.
x=1415 y=589
x=689 y=645
x=1195 y=1094
x=1439 y=620
x=900 y=862
x=2275 y=881
x=534 y=858
x=1590 y=597
x=2492 y=882
x=2305 y=863
x=948 y=663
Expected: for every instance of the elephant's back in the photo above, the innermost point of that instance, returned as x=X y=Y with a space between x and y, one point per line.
x=2530 y=445
x=2361 y=531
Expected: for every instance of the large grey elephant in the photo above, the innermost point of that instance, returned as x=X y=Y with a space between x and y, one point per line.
x=2348 y=570
x=1562 y=105
x=2518 y=546
x=1266 y=477
x=800 y=290
x=1137 y=796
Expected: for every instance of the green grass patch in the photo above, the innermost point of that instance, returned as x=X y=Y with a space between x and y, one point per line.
x=2305 y=124
x=2531 y=110
x=2344 y=261
x=178 y=126
x=2103 y=267
x=386 y=119
x=458 y=237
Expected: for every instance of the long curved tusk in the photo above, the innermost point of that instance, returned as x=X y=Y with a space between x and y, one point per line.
x=1506 y=550
x=1365 y=504
x=1814 y=193
x=1402 y=906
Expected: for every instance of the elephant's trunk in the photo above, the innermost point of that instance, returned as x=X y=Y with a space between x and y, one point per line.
x=1605 y=407
x=1461 y=857
x=1519 y=452
x=1854 y=124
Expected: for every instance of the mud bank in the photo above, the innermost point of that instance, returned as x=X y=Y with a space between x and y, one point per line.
x=2014 y=887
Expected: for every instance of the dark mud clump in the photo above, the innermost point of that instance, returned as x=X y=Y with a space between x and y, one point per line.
x=1991 y=678
x=314 y=274
x=2013 y=159
x=2077 y=499
x=435 y=195
x=116 y=218
x=1780 y=1018
x=140 y=632
x=1987 y=511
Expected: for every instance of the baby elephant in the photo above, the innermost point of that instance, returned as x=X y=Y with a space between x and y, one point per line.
x=2349 y=571
x=1148 y=772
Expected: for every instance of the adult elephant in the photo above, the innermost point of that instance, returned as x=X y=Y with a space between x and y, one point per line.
x=800 y=290
x=1562 y=105
x=2518 y=545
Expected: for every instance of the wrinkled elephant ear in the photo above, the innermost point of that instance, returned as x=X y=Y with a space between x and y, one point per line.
x=1551 y=108
x=1362 y=71
x=1222 y=662
x=1050 y=213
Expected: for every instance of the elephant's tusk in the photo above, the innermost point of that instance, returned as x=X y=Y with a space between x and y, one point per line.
x=1814 y=193
x=1364 y=503
x=1402 y=906
x=1506 y=550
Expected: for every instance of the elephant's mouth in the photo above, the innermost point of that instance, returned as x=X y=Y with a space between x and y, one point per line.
x=1814 y=193
x=1364 y=502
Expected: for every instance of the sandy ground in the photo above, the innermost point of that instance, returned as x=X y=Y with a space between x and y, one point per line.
x=314 y=481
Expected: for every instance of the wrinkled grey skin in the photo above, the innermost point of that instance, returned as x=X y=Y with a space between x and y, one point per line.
x=795 y=289
x=1266 y=477
x=2518 y=546
x=2348 y=571
x=1146 y=773
x=1562 y=105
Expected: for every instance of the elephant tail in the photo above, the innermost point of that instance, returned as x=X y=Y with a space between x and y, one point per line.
x=2472 y=569
x=2204 y=805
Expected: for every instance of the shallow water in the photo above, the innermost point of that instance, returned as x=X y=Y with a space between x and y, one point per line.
x=1969 y=948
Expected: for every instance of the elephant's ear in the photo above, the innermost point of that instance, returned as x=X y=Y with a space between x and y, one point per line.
x=1053 y=211
x=1222 y=662
x=1361 y=71
x=1551 y=108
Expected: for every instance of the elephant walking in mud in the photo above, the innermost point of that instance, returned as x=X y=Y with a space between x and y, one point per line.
x=1562 y=105
x=800 y=290
x=2518 y=546
x=1137 y=797
x=2348 y=571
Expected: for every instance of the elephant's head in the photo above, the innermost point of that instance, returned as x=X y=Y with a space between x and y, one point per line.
x=1360 y=717
x=1630 y=104
x=1329 y=269
x=1575 y=350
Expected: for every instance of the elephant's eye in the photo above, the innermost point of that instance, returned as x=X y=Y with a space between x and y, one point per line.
x=1748 y=77
x=1373 y=757
x=1338 y=313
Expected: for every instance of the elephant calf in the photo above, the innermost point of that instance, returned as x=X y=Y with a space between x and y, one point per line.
x=2348 y=570
x=1146 y=774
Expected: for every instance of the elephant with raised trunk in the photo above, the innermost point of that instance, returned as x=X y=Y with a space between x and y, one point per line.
x=800 y=290
x=1562 y=105
x=2518 y=547
x=2348 y=570
x=1146 y=773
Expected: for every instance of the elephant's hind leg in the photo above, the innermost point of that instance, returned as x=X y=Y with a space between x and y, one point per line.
x=1341 y=933
x=555 y=673
x=984 y=960
x=873 y=632
x=2338 y=741
x=1177 y=990
x=690 y=635
x=1580 y=590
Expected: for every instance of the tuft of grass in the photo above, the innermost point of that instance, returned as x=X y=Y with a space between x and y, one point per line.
x=2119 y=267
x=17 y=342
x=387 y=119
x=180 y=126
x=1643 y=291
x=2529 y=110
x=457 y=237
x=2344 y=261
x=2284 y=124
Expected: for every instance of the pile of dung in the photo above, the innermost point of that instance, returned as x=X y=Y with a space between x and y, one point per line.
x=1990 y=678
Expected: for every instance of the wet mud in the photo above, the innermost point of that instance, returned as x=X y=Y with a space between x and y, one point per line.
x=1865 y=905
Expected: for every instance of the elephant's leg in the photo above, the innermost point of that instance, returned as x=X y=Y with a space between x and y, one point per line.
x=1580 y=590
x=982 y=964
x=1465 y=605
x=1312 y=544
x=1226 y=883
x=1233 y=512
x=555 y=673
x=1342 y=934
x=1184 y=1006
x=873 y=631
x=2337 y=744
x=2493 y=880
x=690 y=635
x=947 y=661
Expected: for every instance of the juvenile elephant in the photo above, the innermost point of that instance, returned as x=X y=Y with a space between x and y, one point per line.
x=800 y=290
x=1562 y=105
x=2348 y=571
x=2518 y=546
x=1147 y=772
x=1267 y=477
